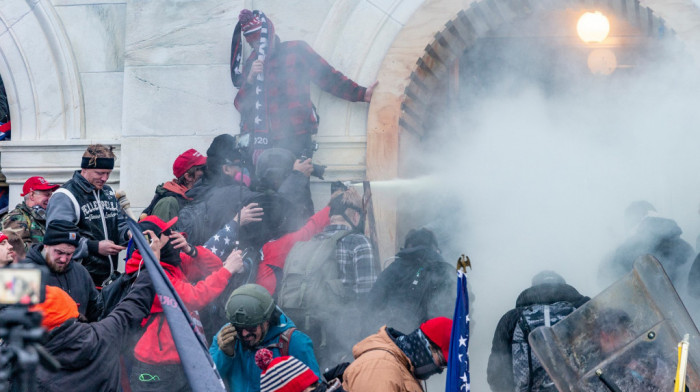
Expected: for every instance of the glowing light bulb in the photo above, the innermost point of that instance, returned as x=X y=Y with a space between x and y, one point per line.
x=593 y=27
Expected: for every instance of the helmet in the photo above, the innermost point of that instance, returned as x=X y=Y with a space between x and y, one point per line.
x=249 y=305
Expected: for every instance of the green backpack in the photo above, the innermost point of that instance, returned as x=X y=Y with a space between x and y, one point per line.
x=311 y=283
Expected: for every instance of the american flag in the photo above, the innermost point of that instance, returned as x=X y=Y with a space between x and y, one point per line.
x=224 y=241
x=458 y=378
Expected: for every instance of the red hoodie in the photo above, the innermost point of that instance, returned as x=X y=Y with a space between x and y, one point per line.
x=156 y=346
x=275 y=252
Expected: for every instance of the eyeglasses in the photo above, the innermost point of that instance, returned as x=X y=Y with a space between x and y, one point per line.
x=250 y=330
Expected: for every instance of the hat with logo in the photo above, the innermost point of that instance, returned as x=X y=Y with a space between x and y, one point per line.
x=61 y=232
x=188 y=160
x=37 y=184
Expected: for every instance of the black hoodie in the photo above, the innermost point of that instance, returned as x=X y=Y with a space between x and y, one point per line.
x=89 y=352
x=417 y=286
x=75 y=281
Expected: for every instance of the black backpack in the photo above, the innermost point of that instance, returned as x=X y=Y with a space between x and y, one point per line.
x=528 y=373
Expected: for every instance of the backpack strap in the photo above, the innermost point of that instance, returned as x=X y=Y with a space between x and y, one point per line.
x=283 y=342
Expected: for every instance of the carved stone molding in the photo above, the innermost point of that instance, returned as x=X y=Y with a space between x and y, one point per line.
x=39 y=72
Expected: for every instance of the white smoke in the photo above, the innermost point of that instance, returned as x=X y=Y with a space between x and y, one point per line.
x=543 y=179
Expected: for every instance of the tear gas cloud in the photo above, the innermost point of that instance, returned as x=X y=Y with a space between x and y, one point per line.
x=525 y=179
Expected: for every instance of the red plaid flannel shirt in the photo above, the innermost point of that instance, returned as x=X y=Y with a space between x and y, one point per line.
x=289 y=71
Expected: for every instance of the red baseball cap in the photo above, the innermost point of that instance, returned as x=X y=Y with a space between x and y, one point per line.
x=37 y=184
x=159 y=222
x=186 y=161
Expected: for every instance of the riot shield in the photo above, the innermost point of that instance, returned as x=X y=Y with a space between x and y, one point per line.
x=629 y=333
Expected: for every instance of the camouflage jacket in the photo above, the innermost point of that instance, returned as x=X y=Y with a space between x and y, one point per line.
x=26 y=223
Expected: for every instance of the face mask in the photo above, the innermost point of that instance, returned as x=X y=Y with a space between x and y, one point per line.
x=424 y=372
x=417 y=348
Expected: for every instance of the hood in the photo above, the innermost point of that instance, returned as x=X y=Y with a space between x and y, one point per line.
x=199 y=189
x=73 y=345
x=82 y=183
x=420 y=253
x=34 y=256
x=381 y=341
x=275 y=331
x=549 y=293
x=174 y=187
x=660 y=228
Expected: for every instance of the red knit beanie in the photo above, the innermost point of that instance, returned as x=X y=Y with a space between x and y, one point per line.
x=283 y=374
x=58 y=308
x=438 y=331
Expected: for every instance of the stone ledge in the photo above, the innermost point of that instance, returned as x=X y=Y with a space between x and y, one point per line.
x=54 y=160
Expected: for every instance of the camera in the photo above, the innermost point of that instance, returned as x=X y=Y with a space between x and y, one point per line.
x=242 y=142
x=21 y=334
x=22 y=285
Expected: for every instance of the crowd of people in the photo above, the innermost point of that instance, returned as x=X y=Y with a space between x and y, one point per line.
x=288 y=297
x=271 y=283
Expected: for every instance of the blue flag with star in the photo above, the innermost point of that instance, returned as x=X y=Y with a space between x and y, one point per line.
x=458 y=378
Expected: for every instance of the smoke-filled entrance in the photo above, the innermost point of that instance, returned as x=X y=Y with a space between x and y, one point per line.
x=524 y=150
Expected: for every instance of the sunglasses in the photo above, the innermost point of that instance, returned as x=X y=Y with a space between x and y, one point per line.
x=250 y=330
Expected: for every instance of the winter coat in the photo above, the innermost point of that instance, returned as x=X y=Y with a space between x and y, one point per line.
x=500 y=366
x=89 y=353
x=659 y=237
x=296 y=188
x=240 y=370
x=275 y=252
x=380 y=366
x=221 y=198
x=417 y=286
x=168 y=200
x=156 y=346
x=290 y=67
x=26 y=223
x=93 y=205
x=74 y=280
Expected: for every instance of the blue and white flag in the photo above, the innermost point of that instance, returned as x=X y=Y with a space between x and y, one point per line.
x=458 y=378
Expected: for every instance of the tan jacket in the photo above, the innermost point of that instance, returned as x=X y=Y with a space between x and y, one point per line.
x=380 y=366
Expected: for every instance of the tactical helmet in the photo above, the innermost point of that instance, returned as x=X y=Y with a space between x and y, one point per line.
x=249 y=305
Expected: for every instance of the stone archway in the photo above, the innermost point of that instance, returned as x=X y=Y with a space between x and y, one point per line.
x=438 y=33
x=35 y=53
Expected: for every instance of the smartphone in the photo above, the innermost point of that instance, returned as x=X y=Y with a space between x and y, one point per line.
x=22 y=285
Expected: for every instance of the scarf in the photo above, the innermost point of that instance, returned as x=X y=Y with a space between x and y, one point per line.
x=261 y=140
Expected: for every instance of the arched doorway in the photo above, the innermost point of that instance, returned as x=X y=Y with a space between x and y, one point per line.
x=401 y=108
x=469 y=42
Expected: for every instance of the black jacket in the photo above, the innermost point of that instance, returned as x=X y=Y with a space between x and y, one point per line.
x=75 y=281
x=500 y=367
x=93 y=204
x=89 y=352
x=659 y=237
x=417 y=286
x=214 y=203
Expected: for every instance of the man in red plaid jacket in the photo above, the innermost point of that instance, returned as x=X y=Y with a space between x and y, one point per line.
x=274 y=99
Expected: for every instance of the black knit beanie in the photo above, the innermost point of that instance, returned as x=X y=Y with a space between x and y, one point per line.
x=61 y=232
